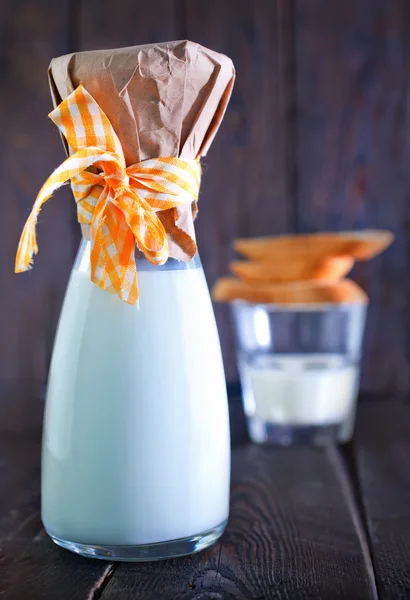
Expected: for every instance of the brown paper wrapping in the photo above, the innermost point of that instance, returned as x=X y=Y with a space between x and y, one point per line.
x=163 y=99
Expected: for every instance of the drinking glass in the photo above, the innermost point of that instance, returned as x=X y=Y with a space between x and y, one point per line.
x=299 y=367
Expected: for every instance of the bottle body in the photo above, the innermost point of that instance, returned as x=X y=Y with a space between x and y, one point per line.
x=136 y=437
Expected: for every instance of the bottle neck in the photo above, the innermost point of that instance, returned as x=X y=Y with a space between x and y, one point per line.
x=82 y=261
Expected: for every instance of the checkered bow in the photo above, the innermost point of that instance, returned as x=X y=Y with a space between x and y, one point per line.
x=118 y=202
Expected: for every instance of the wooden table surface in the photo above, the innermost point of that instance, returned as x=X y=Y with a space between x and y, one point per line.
x=323 y=523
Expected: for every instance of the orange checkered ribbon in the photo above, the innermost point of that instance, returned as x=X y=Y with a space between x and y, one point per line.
x=118 y=202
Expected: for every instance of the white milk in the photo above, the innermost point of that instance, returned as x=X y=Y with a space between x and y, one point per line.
x=308 y=389
x=136 y=440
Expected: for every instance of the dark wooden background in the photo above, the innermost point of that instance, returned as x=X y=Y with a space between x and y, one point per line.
x=316 y=137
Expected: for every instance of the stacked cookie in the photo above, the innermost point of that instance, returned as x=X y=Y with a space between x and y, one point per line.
x=308 y=268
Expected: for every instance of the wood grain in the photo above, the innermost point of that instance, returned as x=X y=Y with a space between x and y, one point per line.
x=245 y=187
x=352 y=66
x=31 y=34
x=293 y=533
x=382 y=451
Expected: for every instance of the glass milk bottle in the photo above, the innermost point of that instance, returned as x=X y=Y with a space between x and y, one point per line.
x=136 y=449
x=136 y=452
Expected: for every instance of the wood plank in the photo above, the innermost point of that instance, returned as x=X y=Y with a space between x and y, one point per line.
x=33 y=567
x=382 y=449
x=293 y=533
x=246 y=184
x=32 y=33
x=352 y=66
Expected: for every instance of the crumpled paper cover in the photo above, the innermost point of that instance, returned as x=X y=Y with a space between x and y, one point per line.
x=165 y=99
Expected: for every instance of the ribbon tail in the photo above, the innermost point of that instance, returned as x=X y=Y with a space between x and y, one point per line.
x=72 y=166
x=112 y=257
x=28 y=242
